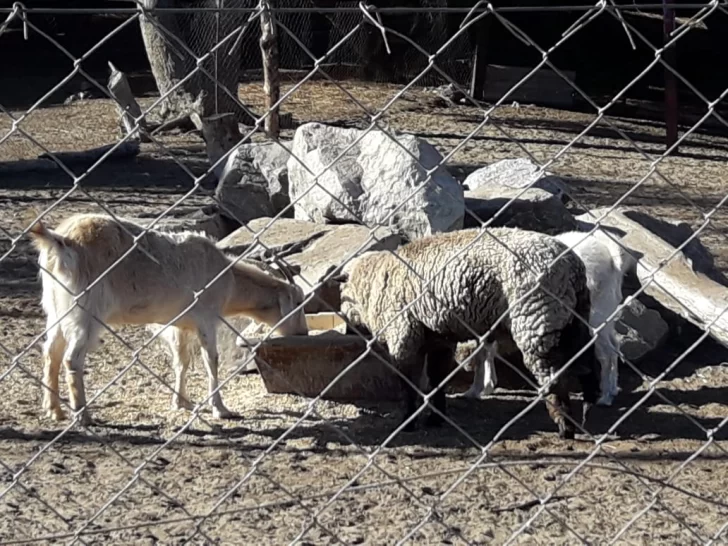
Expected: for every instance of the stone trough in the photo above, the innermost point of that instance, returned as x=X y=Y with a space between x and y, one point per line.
x=307 y=365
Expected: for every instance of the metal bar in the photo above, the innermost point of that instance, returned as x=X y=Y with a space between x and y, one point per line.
x=671 y=102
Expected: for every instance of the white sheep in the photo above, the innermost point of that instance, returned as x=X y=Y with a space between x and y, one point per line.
x=477 y=281
x=606 y=263
x=138 y=290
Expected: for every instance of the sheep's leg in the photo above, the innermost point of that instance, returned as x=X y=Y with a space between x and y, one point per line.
x=410 y=406
x=438 y=361
x=602 y=352
x=73 y=361
x=53 y=349
x=208 y=342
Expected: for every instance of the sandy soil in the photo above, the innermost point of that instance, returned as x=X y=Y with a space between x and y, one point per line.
x=138 y=476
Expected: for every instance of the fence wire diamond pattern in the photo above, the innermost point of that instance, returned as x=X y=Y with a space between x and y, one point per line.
x=311 y=467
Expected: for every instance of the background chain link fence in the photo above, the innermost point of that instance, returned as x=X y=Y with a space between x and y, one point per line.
x=373 y=157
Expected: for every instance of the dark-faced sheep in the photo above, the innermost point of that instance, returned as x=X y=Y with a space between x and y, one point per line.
x=473 y=280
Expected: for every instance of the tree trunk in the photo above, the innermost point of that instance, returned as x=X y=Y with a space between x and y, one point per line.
x=173 y=41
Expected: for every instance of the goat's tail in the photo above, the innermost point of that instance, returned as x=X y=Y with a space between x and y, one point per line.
x=44 y=239
x=52 y=246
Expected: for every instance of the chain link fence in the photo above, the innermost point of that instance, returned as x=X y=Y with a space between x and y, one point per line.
x=312 y=443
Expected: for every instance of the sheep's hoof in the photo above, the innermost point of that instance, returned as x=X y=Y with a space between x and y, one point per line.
x=411 y=426
x=434 y=420
x=566 y=433
x=56 y=414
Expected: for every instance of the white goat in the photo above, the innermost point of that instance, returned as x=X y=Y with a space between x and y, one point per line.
x=141 y=290
x=606 y=264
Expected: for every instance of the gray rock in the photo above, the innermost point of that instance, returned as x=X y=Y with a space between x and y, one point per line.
x=535 y=209
x=254 y=181
x=518 y=174
x=639 y=330
x=371 y=180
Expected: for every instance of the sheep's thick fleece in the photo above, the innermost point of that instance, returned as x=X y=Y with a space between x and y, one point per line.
x=474 y=279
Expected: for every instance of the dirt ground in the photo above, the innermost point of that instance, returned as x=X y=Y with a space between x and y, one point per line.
x=137 y=475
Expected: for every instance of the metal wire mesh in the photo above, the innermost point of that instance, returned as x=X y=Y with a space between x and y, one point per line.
x=309 y=469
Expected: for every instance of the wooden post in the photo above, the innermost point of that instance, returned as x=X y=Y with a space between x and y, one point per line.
x=271 y=79
x=479 y=34
x=671 y=103
x=126 y=104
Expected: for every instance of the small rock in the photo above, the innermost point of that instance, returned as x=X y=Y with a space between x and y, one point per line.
x=377 y=182
x=639 y=330
x=517 y=174
x=535 y=209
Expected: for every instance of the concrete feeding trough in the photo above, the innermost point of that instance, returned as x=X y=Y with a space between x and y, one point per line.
x=306 y=365
x=325 y=321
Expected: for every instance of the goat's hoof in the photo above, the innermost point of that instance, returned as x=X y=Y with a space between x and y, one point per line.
x=467 y=394
x=56 y=414
x=182 y=404
x=84 y=419
x=606 y=400
x=222 y=413
x=488 y=389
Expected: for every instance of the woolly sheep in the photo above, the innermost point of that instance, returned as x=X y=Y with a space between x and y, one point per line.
x=606 y=263
x=477 y=281
x=139 y=291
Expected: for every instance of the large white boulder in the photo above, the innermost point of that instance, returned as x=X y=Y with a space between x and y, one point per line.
x=371 y=180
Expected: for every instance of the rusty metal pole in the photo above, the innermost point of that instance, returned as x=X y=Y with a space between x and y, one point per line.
x=671 y=103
